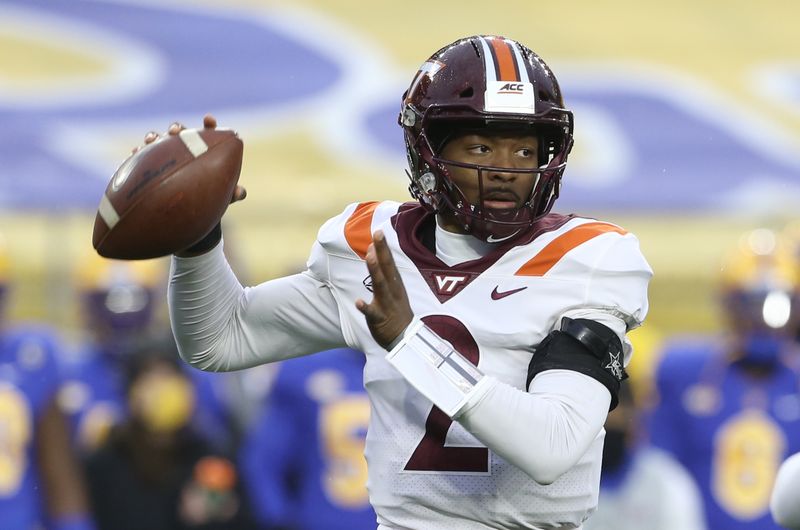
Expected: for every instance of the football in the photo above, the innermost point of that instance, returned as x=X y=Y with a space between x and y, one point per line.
x=168 y=195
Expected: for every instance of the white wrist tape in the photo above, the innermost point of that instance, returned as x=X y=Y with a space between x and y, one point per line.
x=435 y=368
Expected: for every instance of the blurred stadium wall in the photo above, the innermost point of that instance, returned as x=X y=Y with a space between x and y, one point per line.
x=687 y=117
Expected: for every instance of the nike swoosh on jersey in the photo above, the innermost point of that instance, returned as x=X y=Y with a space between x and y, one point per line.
x=492 y=239
x=497 y=295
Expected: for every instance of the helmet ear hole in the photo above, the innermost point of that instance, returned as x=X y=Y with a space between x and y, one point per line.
x=544 y=154
x=427 y=182
x=467 y=92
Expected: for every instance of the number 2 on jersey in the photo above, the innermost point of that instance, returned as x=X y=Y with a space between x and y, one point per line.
x=431 y=454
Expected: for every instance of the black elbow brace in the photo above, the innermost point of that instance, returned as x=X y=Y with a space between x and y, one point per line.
x=583 y=346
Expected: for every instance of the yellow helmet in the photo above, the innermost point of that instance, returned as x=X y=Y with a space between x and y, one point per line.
x=760 y=283
x=762 y=260
x=119 y=296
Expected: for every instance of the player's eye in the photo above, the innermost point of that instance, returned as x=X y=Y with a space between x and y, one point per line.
x=478 y=149
x=526 y=152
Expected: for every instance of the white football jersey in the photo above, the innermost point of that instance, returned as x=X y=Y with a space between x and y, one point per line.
x=425 y=470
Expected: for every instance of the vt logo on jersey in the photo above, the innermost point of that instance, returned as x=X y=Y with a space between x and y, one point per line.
x=446 y=284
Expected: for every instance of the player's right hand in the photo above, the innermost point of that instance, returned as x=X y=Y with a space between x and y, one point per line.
x=239 y=192
x=209 y=122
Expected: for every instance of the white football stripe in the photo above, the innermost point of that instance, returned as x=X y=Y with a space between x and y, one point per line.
x=523 y=70
x=191 y=138
x=107 y=212
x=491 y=74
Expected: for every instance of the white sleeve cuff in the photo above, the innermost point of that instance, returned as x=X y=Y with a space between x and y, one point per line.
x=433 y=367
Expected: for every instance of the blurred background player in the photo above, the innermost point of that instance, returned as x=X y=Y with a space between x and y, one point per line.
x=642 y=486
x=122 y=303
x=118 y=302
x=729 y=409
x=785 y=499
x=41 y=485
x=155 y=471
x=303 y=460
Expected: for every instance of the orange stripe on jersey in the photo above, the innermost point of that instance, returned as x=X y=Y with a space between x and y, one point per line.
x=506 y=64
x=358 y=228
x=558 y=248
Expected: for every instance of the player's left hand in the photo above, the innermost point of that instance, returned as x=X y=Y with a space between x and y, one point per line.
x=389 y=313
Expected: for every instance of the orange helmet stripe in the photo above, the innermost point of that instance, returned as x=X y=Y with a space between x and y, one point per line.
x=540 y=264
x=358 y=228
x=506 y=62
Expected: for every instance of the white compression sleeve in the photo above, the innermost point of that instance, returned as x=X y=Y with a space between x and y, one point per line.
x=544 y=431
x=785 y=501
x=220 y=325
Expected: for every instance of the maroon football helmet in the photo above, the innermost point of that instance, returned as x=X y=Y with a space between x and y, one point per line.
x=484 y=83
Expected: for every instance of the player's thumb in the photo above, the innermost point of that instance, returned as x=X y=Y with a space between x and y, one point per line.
x=239 y=194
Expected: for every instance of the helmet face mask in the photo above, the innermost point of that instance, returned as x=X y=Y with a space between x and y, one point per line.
x=119 y=300
x=484 y=85
x=121 y=308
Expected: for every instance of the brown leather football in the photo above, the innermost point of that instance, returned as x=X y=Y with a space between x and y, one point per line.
x=168 y=195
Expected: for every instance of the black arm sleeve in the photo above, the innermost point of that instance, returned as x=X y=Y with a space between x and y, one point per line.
x=584 y=346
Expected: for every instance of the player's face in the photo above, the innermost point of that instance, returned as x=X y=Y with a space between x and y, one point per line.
x=501 y=190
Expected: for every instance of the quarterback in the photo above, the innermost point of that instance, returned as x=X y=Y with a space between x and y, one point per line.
x=493 y=330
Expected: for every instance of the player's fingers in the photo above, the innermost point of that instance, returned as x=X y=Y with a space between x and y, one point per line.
x=209 y=122
x=149 y=138
x=374 y=269
x=386 y=261
x=380 y=288
x=370 y=311
x=175 y=128
x=239 y=194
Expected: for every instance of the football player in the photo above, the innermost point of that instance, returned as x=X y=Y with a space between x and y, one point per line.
x=303 y=458
x=120 y=305
x=40 y=480
x=154 y=471
x=729 y=408
x=494 y=330
x=642 y=486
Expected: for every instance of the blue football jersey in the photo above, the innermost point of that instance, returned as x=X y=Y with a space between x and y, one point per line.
x=303 y=459
x=93 y=395
x=731 y=430
x=28 y=382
